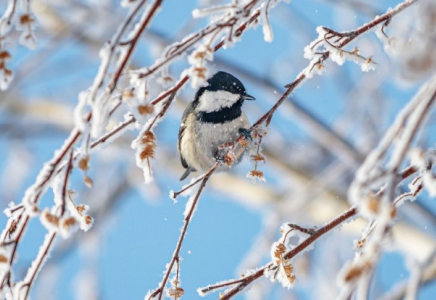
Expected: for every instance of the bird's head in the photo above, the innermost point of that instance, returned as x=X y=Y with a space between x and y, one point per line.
x=223 y=91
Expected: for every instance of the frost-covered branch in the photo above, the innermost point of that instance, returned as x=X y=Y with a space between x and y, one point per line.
x=23 y=288
x=24 y=20
x=191 y=206
x=232 y=24
x=383 y=163
x=253 y=275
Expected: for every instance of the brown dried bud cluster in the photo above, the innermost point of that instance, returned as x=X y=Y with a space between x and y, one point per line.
x=26 y=19
x=88 y=219
x=88 y=181
x=200 y=72
x=356 y=270
x=256 y=174
x=204 y=54
x=167 y=79
x=3 y=259
x=229 y=158
x=50 y=218
x=145 y=109
x=81 y=208
x=84 y=163
x=5 y=56
x=285 y=264
x=32 y=209
x=258 y=157
x=176 y=292
x=13 y=227
x=278 y=253
x=127 y=94
x=148 y=143
x=67 y=223
x=243 y=143
x=373 y=204
x=355 y=51
x=289 y=271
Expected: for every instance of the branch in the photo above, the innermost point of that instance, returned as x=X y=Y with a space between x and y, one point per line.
x=350 y=36
x=193 y=205
x=112 y=85
x=49 y=239
x=178 y=48
x=247 y=280
x=260 y=272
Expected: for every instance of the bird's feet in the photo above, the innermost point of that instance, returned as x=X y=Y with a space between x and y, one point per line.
x=246 y=133
x=219 y=158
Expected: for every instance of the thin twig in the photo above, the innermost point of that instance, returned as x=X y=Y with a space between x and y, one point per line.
x=112 y=85
x=50 y=235
x=160 y=290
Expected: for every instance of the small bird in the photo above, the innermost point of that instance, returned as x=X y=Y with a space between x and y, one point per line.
x=212 y=119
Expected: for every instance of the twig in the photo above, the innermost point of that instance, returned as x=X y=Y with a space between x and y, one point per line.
x=160 y=290
x=219 y=285
x=171 y=90
x=114 y=43
x=176 y=194
x=112 y=85
x=39 y=186
x=65 y=185
x=113 y=132
x=45 y=249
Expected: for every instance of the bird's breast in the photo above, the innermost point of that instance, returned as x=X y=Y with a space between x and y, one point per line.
x=203 y=140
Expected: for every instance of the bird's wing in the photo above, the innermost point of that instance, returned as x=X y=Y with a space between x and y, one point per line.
x=190 y=108
x=182 y=159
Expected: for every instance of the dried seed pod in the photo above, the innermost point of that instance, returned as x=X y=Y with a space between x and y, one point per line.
x=88 y=181
x=145 y=109
x=176 y=292
x=84 y=163
x=3 y=259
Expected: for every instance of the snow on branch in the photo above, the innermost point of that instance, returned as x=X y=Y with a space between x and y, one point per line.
x=22 y=17
x=380 y=170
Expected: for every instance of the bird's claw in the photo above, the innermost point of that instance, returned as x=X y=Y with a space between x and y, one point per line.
x=246 y=133
x=219 y=158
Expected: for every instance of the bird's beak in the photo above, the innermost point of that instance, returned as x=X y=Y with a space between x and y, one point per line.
x=248 y=97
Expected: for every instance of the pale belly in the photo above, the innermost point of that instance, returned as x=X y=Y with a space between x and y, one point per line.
x=200 y=148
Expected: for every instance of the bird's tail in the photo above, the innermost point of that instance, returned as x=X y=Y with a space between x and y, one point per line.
x=189 y=170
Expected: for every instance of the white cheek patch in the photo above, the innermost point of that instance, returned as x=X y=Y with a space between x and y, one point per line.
x=213 y=101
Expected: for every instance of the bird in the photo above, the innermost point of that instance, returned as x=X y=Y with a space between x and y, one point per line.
x=213 y=118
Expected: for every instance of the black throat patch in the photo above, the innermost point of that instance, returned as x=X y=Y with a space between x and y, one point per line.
x=223 y=115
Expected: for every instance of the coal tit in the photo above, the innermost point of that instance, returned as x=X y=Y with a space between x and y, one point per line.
x=212 y=119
